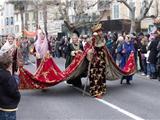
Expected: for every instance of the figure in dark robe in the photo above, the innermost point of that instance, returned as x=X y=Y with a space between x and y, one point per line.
x=73 y=48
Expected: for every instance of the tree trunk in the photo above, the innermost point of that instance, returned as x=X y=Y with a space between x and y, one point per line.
x=135 y=26
x=36 y=17
x=22 y=20
x=69 y=26
x=26 y=21
x=45 y=18
x=138 y=26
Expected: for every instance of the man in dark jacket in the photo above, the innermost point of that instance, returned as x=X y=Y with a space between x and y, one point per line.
x=9 y=93
x=158 y=61
x=153 y=56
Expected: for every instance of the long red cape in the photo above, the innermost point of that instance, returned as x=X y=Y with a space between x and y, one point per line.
x=49 y=74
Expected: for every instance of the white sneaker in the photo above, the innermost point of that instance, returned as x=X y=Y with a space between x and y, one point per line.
x=147 y=76
x=143 y=74
x=68 y=84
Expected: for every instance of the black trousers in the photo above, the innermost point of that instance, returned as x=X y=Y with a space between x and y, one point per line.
x=76 y=82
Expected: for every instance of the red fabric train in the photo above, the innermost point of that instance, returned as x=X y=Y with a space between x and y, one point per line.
x=49 y=74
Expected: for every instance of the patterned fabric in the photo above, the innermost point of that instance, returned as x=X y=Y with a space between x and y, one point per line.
x=97 y=75
x=7 y=115
x=48 y=74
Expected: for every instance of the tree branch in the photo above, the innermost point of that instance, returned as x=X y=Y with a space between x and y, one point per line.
x=157 y=9
x=126 y=4
x=93 y=4
x=145 y=11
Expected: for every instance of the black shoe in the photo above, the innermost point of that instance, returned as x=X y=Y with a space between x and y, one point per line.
x=128 y=82
x=121 y=81
x=78 y=86
x=153 y=77
x=44 y=90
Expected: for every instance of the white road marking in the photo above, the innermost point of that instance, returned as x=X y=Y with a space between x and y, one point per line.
x=131 y=115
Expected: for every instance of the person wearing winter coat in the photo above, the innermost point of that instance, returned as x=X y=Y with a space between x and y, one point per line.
x=158 y=60
x=152 y=59
x=9 y=93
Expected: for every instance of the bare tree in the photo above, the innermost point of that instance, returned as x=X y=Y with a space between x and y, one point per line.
x=79 y=16
x=136 y=21
x=36 y=6
x=45 y=18
x=42 y=5
x=19 y=6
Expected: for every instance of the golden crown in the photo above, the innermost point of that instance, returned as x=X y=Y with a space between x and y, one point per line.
x=96 y=27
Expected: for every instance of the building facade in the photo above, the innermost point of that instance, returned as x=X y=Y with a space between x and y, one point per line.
x=7 y=19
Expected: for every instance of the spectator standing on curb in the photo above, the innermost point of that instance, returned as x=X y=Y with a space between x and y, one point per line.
x=9 y=93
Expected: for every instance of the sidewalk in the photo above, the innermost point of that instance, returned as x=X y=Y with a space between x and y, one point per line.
x=144 y=76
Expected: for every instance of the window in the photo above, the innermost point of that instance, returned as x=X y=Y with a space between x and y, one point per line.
x=116 y=11
x=33 y=24
x=40 y=16
x=2 y=31
x=11 y=30
x=7 y=21
x=12 y=20
x=27 y=16
x=7 y=31
x=16 y=17
x=17 y=28
x=34 y=15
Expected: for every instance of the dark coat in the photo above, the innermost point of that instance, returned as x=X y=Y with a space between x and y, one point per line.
x=69 y=49
x=158 y=55
x=9 y=93
x=153 y=51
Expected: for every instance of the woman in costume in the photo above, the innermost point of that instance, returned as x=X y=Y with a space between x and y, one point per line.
x=73 y=48
x=97 y=65
x=41 y=47
x=12 y=47
x=127 y=48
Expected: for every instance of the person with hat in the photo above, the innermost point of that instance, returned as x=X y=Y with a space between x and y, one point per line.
x=97 y=65
x=74 y=47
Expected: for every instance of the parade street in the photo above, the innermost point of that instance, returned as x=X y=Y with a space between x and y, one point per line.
x=138 y=101
x=62 y=102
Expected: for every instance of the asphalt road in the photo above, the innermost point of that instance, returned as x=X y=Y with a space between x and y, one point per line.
x=139 y=101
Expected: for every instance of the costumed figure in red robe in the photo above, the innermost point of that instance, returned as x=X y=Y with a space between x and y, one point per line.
x=97 y=65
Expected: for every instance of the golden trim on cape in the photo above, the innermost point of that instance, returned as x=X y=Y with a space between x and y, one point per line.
x=96 y=27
